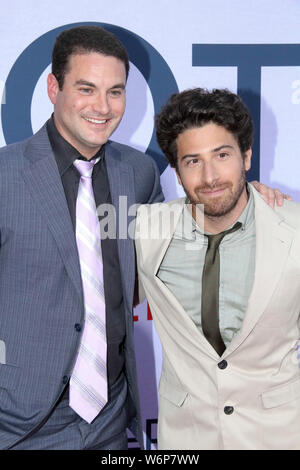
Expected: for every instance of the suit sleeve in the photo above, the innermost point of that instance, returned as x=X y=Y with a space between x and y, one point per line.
x=157 y=194
x=154 y=195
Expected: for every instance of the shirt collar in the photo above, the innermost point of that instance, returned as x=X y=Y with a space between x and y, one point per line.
x=247 y=216
x=65 y=154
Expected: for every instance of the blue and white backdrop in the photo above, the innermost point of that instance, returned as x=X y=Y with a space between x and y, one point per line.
x=250 y=47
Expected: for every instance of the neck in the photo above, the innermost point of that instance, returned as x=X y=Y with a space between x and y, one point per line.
x=85 y=151
x=220 y=223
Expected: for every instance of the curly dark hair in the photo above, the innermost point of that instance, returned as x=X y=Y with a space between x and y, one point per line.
x=82 y=40
x=197 y=107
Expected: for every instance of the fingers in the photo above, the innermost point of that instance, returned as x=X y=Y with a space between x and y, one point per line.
x=267 y=193
x=278 y=197
x=271 y=195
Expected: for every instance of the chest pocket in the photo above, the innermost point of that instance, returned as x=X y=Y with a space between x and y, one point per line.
x=173 y=394
x=281 y=395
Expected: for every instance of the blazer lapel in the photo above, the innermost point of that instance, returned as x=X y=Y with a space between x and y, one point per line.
x=121 y=183
x=167 y=231
x=44 y=183
x=273 y=241
x=158 y=248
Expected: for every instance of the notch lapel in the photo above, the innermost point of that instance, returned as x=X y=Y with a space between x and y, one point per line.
x=122 y=190
x=43 y=181
x=157 y=250
x=273 y=242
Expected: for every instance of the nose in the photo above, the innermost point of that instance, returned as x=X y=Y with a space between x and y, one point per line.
x=210 y=175
x=101 y=104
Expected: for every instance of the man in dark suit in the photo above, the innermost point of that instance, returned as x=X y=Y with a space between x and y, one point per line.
x=44 y=313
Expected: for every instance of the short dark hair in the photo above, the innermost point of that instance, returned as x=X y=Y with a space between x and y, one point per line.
x=197 y=107
x=84 y=40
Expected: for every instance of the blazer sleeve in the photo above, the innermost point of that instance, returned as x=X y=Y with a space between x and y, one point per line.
x=157 y=193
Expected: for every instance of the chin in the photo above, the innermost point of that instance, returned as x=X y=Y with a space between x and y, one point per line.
x=219 y=210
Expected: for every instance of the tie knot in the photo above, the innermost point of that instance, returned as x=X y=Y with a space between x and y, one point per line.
x=85 y=168
x=215 y=240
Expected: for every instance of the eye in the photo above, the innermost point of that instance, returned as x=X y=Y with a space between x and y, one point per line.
x=86 y=91
x=193 y=162
x=116 y=93
x=223 y=155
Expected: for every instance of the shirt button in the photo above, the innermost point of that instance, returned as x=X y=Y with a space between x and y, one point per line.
x=223 y=364
x=77 y=327
x=65 y=379
x=228 y=410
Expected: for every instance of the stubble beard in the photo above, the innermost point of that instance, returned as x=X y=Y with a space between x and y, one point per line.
x=219 y=206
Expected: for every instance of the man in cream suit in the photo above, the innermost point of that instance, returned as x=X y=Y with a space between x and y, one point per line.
x=221 y=272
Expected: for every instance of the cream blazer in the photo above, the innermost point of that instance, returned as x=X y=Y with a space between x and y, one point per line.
x=261 y=379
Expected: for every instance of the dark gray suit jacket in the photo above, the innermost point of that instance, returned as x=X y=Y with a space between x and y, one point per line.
x=41 y=295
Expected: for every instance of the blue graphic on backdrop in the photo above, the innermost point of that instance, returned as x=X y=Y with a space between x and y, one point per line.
x=28 y=68
x=248 y=58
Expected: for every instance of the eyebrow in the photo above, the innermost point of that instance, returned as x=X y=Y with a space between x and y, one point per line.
x=92 y=85
x=85 y=83
x=217 y=149
x=118 y=85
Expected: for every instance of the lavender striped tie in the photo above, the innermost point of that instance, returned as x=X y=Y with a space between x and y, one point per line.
x=88 y=384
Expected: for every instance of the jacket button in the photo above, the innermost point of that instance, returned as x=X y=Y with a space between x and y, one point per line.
x=228 y=410
x=65 y=379
x=77 y=327
x=223 y=364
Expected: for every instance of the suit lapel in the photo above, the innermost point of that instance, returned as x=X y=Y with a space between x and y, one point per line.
x=167 y=228
x=44 y=183
x=273 y=241
x=121 y=183
x=158 y=248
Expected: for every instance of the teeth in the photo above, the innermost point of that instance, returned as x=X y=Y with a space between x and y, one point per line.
x=96 y=121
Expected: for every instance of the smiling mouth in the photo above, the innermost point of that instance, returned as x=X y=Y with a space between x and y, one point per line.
x=213 y=191
x=96 y=121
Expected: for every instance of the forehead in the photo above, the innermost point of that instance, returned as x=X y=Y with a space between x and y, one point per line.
x=204 y=139
x=95 y=63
